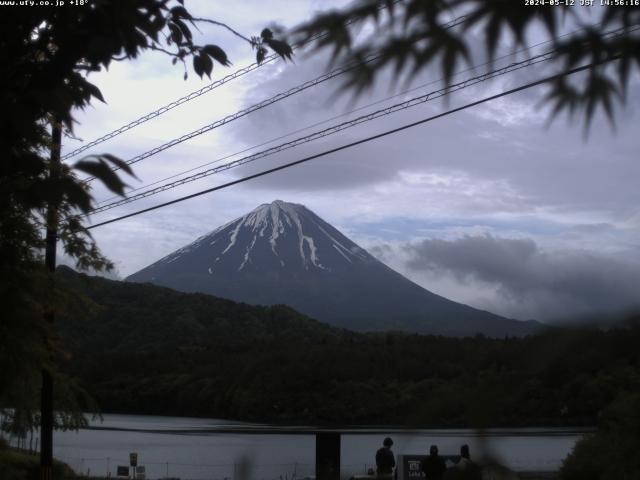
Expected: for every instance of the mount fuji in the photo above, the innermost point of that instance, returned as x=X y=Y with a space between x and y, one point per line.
x=283 y=253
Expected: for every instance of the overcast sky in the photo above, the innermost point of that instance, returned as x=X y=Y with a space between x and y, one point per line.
x=492 y=206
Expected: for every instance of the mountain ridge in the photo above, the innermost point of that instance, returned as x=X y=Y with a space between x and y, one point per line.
x=144 y=349
x=283 y=253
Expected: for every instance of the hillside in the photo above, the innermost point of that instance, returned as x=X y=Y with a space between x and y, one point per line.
x=149 y=350
x=125 y=317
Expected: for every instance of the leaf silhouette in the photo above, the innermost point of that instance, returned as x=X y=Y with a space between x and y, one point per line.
x=217 y=54
x=101 y=170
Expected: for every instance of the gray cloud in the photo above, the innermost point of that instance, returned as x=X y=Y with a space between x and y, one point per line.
x=548 y=284
x=554 y=168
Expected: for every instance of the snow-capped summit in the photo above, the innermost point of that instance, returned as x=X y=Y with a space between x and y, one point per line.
x=283 y=253
x=275 y=235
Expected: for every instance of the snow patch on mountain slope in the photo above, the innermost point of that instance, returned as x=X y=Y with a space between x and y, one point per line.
x=271 y=222
x=234 y=235
x=246 y=254
x=341 y=253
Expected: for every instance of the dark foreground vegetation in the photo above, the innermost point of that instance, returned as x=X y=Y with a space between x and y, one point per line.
x=612 y=452
x=146 y=349
x=20 y=465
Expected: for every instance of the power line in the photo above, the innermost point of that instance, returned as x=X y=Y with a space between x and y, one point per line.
x=170 y=106
x=266 y=103
x=195 y=94
x=404 y=92
x=332 y=130
x=244 y=112
x=358 y=142
x=258 y=106
x=272 y=140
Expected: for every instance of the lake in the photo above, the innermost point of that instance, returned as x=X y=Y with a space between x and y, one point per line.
x=191 y=448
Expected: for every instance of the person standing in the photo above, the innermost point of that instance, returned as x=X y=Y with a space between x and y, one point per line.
x=385 y=460
x=433 y=466
x=465 y=469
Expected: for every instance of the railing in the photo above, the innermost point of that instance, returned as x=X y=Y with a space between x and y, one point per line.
x=106 y=467
x=328 y=462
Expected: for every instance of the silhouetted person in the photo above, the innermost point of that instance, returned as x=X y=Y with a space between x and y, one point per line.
x=465 y=458
x=385 y=461
x=465 y=469
x=433 y=466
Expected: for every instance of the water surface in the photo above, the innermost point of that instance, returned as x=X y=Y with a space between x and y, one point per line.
x=191 y=448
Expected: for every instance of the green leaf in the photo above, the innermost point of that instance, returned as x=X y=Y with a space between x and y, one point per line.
x=492 y=36
x=260 y=54
x=102 y=172
x=207 y=64
x=198 y=66
x=281 y=48
x=95 y=91
x=184 y=29
x=217 y=54
x=76 y=194
x=118 y=162
x=175 y=33
x=180 y=12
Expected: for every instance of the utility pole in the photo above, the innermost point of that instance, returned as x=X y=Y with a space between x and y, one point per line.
x=327 y=455
x=46 y=395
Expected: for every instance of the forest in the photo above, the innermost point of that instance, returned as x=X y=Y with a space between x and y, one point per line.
x=138 y=348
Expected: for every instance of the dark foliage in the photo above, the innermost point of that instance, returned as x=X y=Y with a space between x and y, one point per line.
x=46 y=57
x=144 y=349
x=612 y=452
x=411 y=35
x=19 y=465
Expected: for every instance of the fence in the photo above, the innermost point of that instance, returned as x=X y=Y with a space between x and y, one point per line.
x=106 y=467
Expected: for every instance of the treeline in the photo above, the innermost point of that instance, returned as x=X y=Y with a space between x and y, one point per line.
x=146 y=349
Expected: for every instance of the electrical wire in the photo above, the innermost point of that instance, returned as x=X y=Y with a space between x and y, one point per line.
x=345 y=114
x=258 y=106
x=270 y=101
x=195 y=94
x=358 y=142
x=169 y=106
x=333 y=129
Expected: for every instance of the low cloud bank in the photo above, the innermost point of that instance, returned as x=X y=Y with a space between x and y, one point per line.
x=527 y=279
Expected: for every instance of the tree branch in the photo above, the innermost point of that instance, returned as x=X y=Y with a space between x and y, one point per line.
x=223 y=25
x=160 y=49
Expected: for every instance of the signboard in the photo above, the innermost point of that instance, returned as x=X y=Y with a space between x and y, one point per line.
x=122 y=471
x=409 y=465
x=133 y=459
